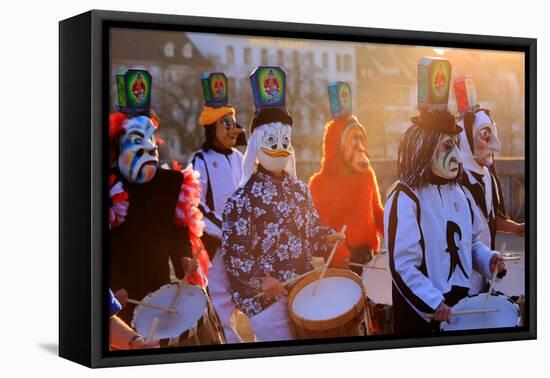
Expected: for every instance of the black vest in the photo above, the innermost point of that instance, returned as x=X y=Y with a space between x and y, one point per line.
x=140 y=247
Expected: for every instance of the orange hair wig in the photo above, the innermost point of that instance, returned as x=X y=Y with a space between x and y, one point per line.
x=344 y=197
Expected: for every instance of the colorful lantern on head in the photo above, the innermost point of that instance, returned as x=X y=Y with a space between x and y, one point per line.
x=465 y=94
x=339 y=97
x=269 y=87
x=134 y=91
x=214 y=89
x=434 y=78
x=269 y=93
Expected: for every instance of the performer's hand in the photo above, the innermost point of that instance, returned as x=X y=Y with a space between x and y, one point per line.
x=189 y=265
x=443 y=313
x=122 y=297
x=498 y=262
x=272 y=287
x=141 y=343
x=331 y=239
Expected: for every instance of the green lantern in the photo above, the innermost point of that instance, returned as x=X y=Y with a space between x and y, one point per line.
x=134 y=91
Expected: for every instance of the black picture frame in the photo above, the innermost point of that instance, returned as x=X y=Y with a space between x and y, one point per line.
x=83 y=111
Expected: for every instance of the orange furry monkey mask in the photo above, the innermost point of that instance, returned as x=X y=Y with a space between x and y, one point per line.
x=345 y=190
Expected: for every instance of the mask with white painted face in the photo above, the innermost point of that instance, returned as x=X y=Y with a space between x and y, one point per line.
x=446 y=159
x=486 y=141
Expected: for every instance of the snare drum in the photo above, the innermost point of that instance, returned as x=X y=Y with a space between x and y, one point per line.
x=508 y=314
x=337 y=309
x=195 y=322
x=378 y=282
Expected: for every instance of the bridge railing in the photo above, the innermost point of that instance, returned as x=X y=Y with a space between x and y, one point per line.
x=511 y=171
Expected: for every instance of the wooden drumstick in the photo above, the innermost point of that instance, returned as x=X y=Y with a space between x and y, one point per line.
x=324 y=271
x=511 y=258
x=468 y=312
x=292 y=280
x=366 y=266
x=153 y=329
x=491 y=287
x=183 y=282
x=170 y=310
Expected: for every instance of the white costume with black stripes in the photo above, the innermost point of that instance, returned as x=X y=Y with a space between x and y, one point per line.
x=484 y=188
x=220 y=174
x=433 y=242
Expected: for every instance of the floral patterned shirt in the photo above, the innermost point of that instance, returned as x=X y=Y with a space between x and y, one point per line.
x=269 y=227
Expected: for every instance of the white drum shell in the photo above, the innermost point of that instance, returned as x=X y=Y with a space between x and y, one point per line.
x=378 y=282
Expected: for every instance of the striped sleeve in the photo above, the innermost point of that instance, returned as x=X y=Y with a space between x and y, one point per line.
x=212 y=223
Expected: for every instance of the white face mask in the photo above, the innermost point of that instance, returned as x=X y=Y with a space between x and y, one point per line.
x=446 y=159
x=138 y=158
x=486 y=142
x=275 y=149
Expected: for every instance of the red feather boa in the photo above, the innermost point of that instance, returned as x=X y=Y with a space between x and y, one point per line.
x=188 y=214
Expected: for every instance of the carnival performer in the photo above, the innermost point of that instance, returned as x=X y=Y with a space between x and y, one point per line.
x=345 y=190
x=479 y=142
x=154 y=215
x=270 y=226
x=431 y=224
x=219 y=164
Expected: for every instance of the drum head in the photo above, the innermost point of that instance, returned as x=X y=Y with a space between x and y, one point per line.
x=190 y=304
x=378 y=281
x=335 y=297
x=507 y=316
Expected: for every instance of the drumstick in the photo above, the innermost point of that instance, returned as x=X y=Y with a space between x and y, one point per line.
x=366 y=266
x=316 y=289
x=468 y=312
x=153 y=329
x=183 y=282
x=511 y=258
x=491 y=287
x=193 y=262
x=292 y=280
x=170 y=310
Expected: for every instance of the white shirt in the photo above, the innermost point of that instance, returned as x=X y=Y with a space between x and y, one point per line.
x=426 y=229
x=223 y=172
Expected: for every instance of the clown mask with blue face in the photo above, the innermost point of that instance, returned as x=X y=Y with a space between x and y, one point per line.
x=275 y=146
x=138 y=158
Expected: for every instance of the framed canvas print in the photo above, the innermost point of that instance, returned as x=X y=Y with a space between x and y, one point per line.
x=234 y=188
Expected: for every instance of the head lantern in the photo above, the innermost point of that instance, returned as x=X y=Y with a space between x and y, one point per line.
x=132 y=130
x=353 y=144
x=270 y=140
x=479 y=140
x=429 y=146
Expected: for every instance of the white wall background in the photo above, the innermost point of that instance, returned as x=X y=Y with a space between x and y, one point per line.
x=29 y=187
